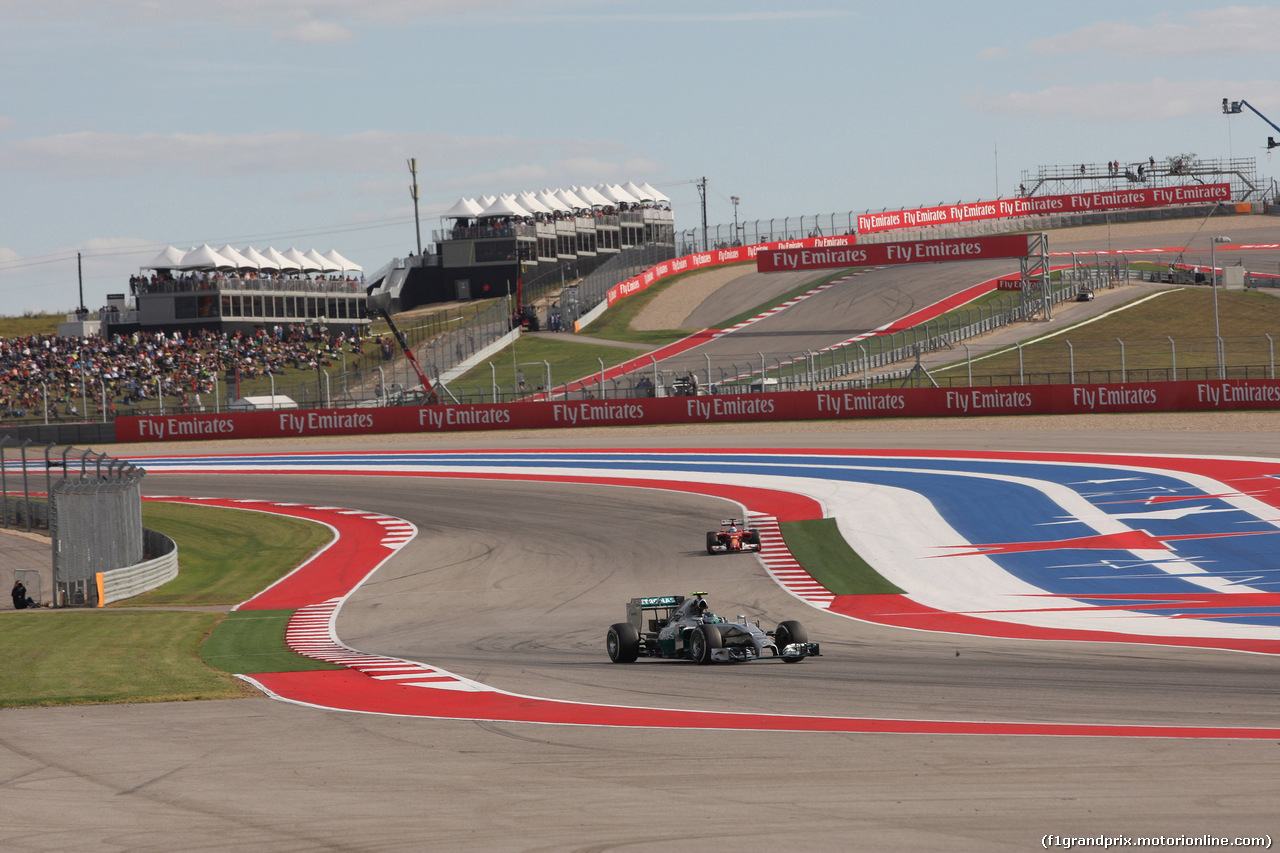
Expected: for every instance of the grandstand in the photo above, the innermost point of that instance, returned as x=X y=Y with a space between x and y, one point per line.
x=491 y=249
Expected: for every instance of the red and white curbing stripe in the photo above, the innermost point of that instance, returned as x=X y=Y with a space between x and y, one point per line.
x=789 y=303
x=311 y=634
x=398 y=531
x=783 y=568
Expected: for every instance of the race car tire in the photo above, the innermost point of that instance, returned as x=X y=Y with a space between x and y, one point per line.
x=702 y=641
x=789 y=632
x=623 y=643
x=753 y=538
x=712 y=541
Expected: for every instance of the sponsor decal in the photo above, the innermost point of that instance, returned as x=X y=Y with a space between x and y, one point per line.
x=882 y=254
x=1188 y=396
x=1041 y=205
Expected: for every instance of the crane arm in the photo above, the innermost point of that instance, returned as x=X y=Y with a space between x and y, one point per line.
x=380 y=305
x=1230 y=107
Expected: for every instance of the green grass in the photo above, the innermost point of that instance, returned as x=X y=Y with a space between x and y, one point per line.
x=570 y=360
x=123 y=654
x=30 y=324
x=76 y=657
x=250 y=641
x=226 y=555
x=819 y=548
x=1185 y=315
x=573 y=359
x=615 y=323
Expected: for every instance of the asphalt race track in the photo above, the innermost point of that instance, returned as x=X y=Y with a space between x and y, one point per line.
x=513 y=589
x=511 y=584
x=872 y=299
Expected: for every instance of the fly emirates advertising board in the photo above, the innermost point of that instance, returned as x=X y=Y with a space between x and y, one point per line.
x=885 y=254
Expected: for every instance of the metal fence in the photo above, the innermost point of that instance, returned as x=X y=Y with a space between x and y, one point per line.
x=90 y=504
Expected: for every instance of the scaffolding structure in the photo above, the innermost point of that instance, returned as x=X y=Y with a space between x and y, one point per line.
x=1180 y=170
x=1035 y=277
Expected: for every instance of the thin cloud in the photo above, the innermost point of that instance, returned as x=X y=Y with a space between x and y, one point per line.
x=1127 y=101
x=316 y=32
x=97 y=154
x=1230 y=31
x=300 y=16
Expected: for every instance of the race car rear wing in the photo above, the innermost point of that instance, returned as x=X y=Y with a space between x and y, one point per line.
x=660 y=608
x=726 y=522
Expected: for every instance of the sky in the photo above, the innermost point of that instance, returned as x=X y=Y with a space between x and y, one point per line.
x=129 y=125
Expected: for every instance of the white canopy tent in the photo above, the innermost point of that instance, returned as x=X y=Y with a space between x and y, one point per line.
x=463 y=208
x=548 y=198
x=617 y=193
x=300 y=261
x=279 y=261
x=242 y=263
x=502 y=207
x=263 y=262
x=169 y=259
x=638 y=193
x=322 y=263
x=204 y=258
x=530 y=202
x=572 y=200
x=341 y=263
x=653 y=194
x=592 y=197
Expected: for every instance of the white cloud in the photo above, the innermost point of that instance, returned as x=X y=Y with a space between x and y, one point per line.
x=316 y=20
x=251 y=13
x=1229 y=31
x=1128 y=101
x=316 y=32
x=97 y=154
x=310 y=194
x=993 y=53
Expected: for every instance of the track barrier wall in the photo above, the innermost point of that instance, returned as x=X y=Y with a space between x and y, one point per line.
x=119 y=584
x=1183 y=396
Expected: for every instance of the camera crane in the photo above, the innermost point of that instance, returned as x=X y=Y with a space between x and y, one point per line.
x=379 y=304
x=1230 y=107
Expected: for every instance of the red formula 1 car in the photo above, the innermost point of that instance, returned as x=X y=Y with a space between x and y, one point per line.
x=733 y=535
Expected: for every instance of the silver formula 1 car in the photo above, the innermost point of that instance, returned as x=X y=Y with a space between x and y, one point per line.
x=672 y=626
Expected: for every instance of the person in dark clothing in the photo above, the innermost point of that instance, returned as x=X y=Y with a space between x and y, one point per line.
x=20 y=600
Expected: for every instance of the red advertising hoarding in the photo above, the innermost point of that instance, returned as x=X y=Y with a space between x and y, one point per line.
x=883 y=254
x=1186 y=396
x=732 y=255
x=1008 y=208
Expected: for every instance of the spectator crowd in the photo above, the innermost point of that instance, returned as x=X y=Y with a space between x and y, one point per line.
x=126 y=371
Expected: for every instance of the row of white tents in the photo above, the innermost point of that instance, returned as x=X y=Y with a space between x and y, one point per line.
x=548 y=201
x=229 y=259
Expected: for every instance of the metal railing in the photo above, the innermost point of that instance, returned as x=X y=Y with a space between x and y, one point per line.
x=90 y=503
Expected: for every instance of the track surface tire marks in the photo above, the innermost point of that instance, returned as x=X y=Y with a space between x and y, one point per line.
x=205 y=776
x=484 y=605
